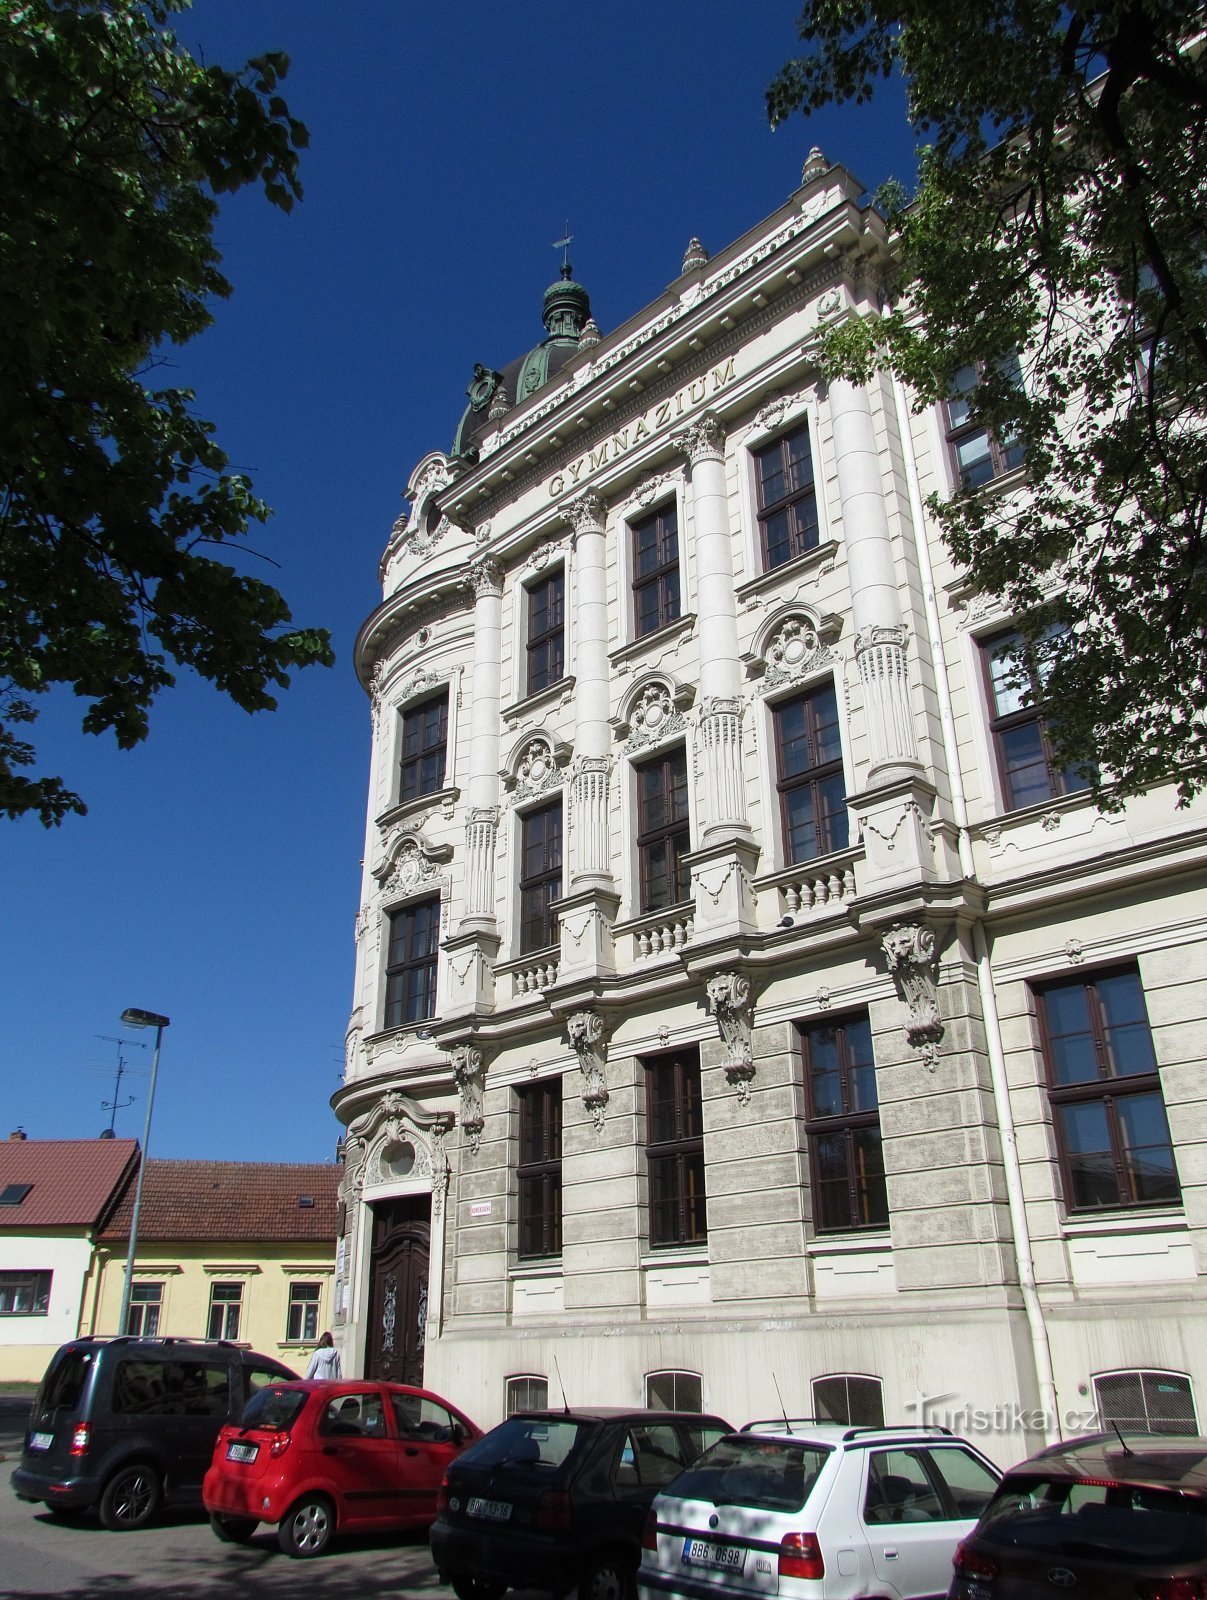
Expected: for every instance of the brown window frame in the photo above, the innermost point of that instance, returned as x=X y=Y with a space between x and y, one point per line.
x=545 y=649
x=1108 y=1088
x=1060 y=781
x=674 y=1151
x=1002 y=458
x=418 y=933
x=798 y=502
x=831 y=829
x=540 y=888
x=661 y=578
x=539 y=1171
x=424 y=748
x=673 y=834
x=864 y=1192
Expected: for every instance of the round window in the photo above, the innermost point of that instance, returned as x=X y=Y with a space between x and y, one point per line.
x=398 y=1159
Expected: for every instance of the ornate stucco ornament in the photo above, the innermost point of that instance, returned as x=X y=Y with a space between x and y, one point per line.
x=588 y=1041
x=728 y=996
x=914 y=964
x=469 y=1074
x=655 y=717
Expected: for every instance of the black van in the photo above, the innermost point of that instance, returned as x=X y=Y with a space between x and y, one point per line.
x=127 y=1425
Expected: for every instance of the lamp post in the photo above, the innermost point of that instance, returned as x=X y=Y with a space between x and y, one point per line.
x=134 y=1018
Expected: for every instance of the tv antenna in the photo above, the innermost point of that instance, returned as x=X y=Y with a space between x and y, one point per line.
x=117 y=1103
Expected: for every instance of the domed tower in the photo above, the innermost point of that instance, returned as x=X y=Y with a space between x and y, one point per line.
x=566 y=312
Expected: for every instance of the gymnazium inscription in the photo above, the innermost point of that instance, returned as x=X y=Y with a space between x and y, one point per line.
x=626 y=438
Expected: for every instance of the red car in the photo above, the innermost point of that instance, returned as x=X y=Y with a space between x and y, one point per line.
x=323 y=1458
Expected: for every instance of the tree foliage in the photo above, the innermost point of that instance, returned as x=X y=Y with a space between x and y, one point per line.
x=1060 y=214
x=114 y=495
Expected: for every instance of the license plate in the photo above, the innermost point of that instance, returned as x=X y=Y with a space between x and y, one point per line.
x=242 y=1452
x=702 y=1553
x=492 y=1510
x=41 y=1441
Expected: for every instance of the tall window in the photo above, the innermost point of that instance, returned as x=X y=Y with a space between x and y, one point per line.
x=977 y=454
x=859 y=1402
x=655 y=571
x=540 y=875
x=674 y=1151
x=226 y=1309
x=1026 y=761
x=845 y=1156
x=1106 y=1097
x=540 y=1169
x=411 y=963
x=146 y=1307
x=527 y=1392
x=812 y=791
x=302 y=1320
x=787 y=498
x=1146 y=1402
x=663 y=830
x=546 y=632
x=24 y=1294
x=424 y=747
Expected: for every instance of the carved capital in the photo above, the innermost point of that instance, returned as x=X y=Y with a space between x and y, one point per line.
x=585 y=513
x=914 y=963
x=588 y=1040
x=729 y=1004
x=703 y=439
x=485 y=577
x=469 y=1074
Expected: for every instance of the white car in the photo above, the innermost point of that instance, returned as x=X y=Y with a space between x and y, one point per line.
x=816 y=1511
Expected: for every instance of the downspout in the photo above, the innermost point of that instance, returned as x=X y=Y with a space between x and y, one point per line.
x=1041 y=1352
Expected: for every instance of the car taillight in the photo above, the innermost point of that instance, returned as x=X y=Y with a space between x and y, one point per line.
x=649 y=1534
x=442 y=1496
x=79 y=1439
x=972 y=1564
x=800 y=1556
x=1172 y=1589
x=280 y=1444
x=553 y=1510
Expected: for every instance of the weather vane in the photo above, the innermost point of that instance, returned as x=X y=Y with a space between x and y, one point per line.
x=564 y=245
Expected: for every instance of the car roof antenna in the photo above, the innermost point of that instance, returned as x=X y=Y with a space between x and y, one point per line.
x=1127 y=1451
x=783 y=1407
x=561 y=1386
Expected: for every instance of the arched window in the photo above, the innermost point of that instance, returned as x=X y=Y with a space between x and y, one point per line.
x=527 y=1391
x=674 y=1391
x=1146 y=1402
x=844 y=1397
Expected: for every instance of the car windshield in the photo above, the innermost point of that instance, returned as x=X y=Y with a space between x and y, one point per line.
x=1116 y=1522
x=275 y=1410
x=765 y=1474
x=526 y=1441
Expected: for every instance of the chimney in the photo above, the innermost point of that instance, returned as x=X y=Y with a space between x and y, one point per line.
x=17 y=1133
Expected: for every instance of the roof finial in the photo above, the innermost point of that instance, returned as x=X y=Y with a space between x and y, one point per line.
x=564 y=244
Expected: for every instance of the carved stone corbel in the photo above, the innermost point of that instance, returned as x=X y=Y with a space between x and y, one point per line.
x=728 y=996
x=469 y=1074
x=587 y=1039
x=914 y=963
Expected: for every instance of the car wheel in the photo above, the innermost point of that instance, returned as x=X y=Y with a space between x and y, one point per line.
x=307 y=1529
x=233 y=1530
x=130 y=1498
x=607 y=1577
x=478 y=1588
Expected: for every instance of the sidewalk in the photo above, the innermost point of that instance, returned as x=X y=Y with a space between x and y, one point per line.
x=15 y=1401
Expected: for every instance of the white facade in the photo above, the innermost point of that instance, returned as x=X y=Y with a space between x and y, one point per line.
x=1035 y=1233
x=28 y=1338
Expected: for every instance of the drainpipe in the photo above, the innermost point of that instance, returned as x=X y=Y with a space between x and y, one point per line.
x=1041 y=1351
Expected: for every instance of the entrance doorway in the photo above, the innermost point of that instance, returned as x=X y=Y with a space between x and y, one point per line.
x=398 y=1277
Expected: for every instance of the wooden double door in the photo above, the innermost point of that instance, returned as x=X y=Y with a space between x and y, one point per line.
x=398 y=1288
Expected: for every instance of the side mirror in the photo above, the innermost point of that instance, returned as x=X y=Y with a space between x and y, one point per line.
x=457 y=1433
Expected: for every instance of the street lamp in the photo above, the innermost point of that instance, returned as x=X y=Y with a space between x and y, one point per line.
x=134 y=1018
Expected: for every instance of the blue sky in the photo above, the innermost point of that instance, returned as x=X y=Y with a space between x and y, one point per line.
x=216 y=877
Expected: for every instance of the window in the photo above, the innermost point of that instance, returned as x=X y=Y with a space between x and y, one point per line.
x=12 y=1194
x=411 y=963
x=146 y=1305
x=424 y=747
x=674 y=1391
x=302 y=1322
x=977 y=454
x=846 y=1162
x=674 y=1151
x=24 y=1294
x=663 y=831
x=1105 y=1094
x=1026 y=762
x=540 y=875
x=226 y=1307
x=812 y=791
x=787 y=498
x=859 y=1402
x=540 y=1169
x=546 y=632
x=655 y=571
x=418 y=1417
x=150 y=1388
x=651 y=1454
x=1146 y=1402
x=527 y=1393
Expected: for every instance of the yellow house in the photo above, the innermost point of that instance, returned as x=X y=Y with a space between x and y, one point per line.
x=241 y=1250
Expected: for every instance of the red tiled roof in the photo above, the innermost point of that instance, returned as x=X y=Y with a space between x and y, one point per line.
x=221 y=1200
x=71 y=1180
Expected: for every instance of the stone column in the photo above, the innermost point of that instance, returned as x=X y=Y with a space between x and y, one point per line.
x=482 y=823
